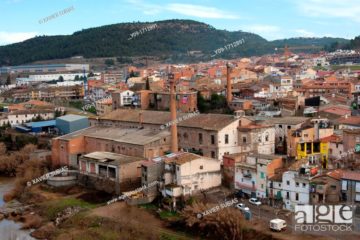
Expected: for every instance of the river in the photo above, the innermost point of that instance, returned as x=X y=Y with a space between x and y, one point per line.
x=10 y=230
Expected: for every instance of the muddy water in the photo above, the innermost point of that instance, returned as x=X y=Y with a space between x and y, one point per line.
x=10 y=230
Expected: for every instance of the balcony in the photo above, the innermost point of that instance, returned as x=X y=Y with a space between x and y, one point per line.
x=173 y=190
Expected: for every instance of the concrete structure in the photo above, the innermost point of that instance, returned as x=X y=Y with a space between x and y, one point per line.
x=71 y=123
x=124 y=171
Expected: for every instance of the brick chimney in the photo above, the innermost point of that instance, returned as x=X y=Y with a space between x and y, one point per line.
x=174 y=138
x=228 y=84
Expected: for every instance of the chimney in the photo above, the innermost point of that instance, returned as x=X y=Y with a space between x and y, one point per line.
x=141 y=119
x=317 y=133
x=174 y=139
x=228 y=84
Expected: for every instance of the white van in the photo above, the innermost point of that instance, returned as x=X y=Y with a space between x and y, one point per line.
x=277 y=225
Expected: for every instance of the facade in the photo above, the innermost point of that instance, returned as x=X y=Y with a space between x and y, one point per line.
x=256 y=138
x=246 y=176
x=296 y=189
x=103 y=106
x=185 y=101
x=124 y=171
x=350 y=186
x=122 y=98
x=22 y=116
x=326 y=188
x=229 y=162
x=186 y=174
x=46 y=68
x=143 y=143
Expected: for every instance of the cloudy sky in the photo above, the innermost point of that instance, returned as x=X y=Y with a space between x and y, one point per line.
x=272 y=19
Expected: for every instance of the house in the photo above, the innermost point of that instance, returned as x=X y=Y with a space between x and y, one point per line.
x=229 y=162
x=124 y=171
x=122 y=98
x=350 y=186
x=103 y=106
x=275 y=189
x=246 y=176
x=186 y=174
x=256 y=138
x=326 y=188
x=266 y=167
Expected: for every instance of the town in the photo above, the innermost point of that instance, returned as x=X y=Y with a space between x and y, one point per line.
x=180 y=129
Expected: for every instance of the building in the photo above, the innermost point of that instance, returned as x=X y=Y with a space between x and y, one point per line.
x=122 y=98
x=124 y=171
x=210 y=135
x=22 y=116
x=266 y=167
x=350 y=186
x=246 y=176
x=145 y=143
x=103 y=106
x=229 y=162
x=326 y=188
x=185 y=101
x=71 y=123
x=46 y=68
x=256 y=138
x=186 y=174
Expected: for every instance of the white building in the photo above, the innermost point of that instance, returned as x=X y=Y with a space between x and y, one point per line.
x=296 y=189
x=23 y=116
x=188 y=173
x=245 y=177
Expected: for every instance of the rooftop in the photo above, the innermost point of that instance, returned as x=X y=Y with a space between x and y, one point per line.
x=71 y=117
x=112 y=158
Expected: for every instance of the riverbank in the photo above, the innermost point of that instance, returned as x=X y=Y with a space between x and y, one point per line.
x=10 y=228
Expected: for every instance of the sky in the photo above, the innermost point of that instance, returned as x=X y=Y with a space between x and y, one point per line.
x=271 y=19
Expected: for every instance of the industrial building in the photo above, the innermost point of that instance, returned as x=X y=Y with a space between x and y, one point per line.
x=71 y=123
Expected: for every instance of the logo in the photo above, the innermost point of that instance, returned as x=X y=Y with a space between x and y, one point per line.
x=324 y=218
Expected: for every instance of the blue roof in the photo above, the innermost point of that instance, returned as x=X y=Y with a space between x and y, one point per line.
x=41 y=124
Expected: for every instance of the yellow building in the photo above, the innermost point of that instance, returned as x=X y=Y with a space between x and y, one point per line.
x=315 y=151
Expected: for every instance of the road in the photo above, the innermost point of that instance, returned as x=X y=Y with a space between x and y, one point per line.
x=265 y=213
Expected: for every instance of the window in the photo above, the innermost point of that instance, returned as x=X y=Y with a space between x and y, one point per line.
x=304 y=184
x=226 y=138
x=262 y=175
x=201 y=167
x=280 y=126
x=280 y=139
x=212 y=139
x=213 y=154
x=296 y=197
x=333 y=187
x=200 y=138
x=262 y=186
x=288 y=127
x=288 y=183
x=287 y=195
x=244 y=139
x=267 y=137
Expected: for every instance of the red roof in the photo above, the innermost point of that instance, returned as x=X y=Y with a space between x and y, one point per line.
x=351 y=175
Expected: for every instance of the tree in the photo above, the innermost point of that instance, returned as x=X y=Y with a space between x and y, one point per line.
x=109 y=62
x=61 y=79
x=76 y=78
x=8 y=80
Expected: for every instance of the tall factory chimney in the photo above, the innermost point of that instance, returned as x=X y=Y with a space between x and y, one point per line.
x=174 y=138
x=228 y=84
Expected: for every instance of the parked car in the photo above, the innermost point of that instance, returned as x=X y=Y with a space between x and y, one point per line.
x=254 y=201
x=277 y=225
x=242 y=207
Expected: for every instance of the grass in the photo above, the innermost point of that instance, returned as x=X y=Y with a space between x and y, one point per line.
x=52 y=208
x=168 y=215
x=149 y=206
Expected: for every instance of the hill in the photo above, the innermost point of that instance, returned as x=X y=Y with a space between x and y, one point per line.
x=174 y=40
